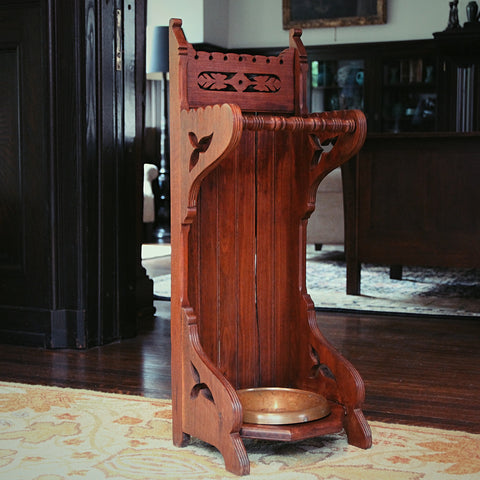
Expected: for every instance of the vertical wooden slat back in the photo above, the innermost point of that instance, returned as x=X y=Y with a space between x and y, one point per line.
x=282 y=197
x=223 y=291
x=247 y=289
x=243 y=241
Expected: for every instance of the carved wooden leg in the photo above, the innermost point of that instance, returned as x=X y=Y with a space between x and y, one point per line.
x=357 y=429
x=213 y=412
x=180 y=439
x=235 y=455
x=343 y=384
x=231 y=447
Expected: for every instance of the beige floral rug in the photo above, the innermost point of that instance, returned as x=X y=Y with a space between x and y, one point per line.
x=49 y=433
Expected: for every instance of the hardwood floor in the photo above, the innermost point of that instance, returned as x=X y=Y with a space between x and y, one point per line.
x=417 y=370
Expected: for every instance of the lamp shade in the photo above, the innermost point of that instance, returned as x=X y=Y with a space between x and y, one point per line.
x=158 y=61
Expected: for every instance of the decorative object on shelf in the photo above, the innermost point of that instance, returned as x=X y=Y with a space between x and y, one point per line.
x=429 y=73
x=332 y=13
x=394 y=74
x=360 y=77
x=397 y=111
x=461 y=45
x=243 y=187
x=472 y=12
x=349 y=79
x=453 y=22
x=334 y=102
x=337 y=85
x=473 y=17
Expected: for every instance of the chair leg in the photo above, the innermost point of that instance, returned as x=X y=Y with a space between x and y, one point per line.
x=396 y=272
x=353 y=277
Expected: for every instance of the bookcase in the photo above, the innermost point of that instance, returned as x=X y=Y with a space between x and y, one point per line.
x=410 y=195
x=407 y=86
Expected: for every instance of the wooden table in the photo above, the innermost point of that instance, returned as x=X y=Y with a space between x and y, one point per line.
x=412 y=199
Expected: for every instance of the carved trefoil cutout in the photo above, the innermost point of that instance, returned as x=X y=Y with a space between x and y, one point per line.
x=319 y=367
x=320 y=147
x=199 y=387
x=200 y=146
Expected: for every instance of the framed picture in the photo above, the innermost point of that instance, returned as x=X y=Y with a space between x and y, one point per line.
x=332 y=13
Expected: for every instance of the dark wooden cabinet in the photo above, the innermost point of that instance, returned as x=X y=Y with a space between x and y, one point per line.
x=71 y=87
x=413 y=199
x=398 y=85
x=411 y=194
x=408 y=86
x=460 y=79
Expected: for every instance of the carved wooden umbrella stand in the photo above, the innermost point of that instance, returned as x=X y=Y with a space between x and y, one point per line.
x=247 y=159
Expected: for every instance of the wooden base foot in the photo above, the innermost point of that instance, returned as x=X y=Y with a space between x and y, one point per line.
x=357 y=429
x=235 y=456
x=181 y=440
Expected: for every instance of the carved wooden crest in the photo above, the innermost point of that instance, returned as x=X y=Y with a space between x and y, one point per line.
x=239 y=82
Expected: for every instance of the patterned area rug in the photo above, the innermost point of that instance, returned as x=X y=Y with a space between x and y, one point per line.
x=423 y=291
x=49 y=433
x=431 y=291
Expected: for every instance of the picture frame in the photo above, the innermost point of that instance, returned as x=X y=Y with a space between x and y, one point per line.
x=333 y=13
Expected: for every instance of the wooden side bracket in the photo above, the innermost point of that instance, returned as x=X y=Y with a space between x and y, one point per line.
x=210 y=133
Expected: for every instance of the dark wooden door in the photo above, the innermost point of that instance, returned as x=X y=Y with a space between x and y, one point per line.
x=71 y=92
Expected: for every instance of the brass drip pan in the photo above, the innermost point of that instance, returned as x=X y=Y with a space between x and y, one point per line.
x=281 y=406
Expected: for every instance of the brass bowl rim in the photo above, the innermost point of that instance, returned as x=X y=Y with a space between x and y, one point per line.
x=319 y=408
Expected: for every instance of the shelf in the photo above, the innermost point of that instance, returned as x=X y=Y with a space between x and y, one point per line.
x=333 y=87
x=409 y=86
x=462 y=43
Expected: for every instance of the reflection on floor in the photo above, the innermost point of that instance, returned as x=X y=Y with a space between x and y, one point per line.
x=422 y=291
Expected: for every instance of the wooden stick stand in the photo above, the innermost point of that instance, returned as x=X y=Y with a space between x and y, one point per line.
x=246 y=163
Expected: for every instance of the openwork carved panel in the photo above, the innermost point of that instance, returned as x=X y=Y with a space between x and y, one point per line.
x=246 y=74
x=239 y=82
x=200 y=146
x=320 y=147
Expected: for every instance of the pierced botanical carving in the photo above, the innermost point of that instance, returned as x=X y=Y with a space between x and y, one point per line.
x=195 y=374
x=239 y=82
x=319 y=367
x=216 y=81
x=263 y=83
x=199 y=387
x=320 y=147
x=200 y=146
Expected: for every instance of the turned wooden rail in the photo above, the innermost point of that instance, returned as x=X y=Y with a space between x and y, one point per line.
x=313 y=124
